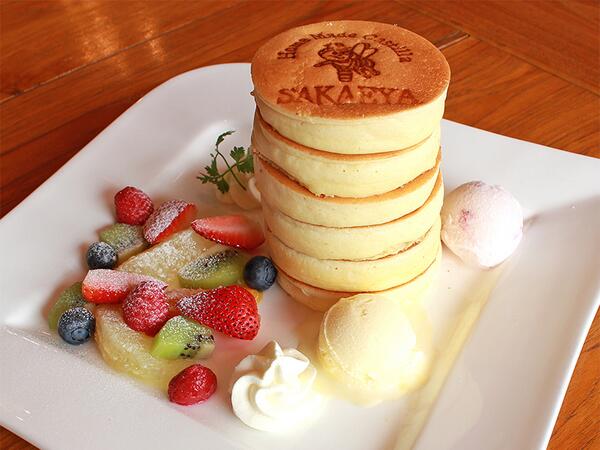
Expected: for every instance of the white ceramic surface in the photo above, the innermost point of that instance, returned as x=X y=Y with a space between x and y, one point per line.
x=503 y=391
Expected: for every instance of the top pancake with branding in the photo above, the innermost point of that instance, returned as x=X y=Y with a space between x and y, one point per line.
x=366 y=77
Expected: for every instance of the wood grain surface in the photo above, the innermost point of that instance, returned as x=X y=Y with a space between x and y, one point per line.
x=559 y=36
x=526 y=69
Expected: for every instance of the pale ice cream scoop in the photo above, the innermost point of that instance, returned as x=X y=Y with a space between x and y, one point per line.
x=376 y=346
x=481 y=224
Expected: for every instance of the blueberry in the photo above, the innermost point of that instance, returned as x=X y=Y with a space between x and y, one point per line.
x=100 y=255
x=76 y=325
x=260 y=273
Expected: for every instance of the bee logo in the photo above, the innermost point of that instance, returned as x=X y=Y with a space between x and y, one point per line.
x=349 y=60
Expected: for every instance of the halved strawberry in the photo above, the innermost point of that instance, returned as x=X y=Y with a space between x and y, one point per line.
x=236 y=231
x=232 y=310
x=168 y=218
x=111 y=286
x=174 y=295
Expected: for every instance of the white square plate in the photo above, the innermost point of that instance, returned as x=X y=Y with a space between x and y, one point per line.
x=502 y=391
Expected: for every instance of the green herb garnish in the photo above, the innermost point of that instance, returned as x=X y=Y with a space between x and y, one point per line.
x=242 y=162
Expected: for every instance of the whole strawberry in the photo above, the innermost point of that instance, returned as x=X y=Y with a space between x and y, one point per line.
x=192 y=385
x=232 y=310
x=146 y=308
x=132 y=206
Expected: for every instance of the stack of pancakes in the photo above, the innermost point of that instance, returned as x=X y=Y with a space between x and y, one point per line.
x=347 y=158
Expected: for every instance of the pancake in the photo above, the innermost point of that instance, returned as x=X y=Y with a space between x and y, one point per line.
x=321 y=299
x=359 y=276
x=367 y=242
x=294 y=200
x=351 y=87
x=332 y=174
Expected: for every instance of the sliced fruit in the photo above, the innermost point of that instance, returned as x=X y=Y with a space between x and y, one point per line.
x=100 y=255
x=183 y=338
x=192 y=385
x=76 y=325
x=174 y=295
x=133 y=206
x=235 y=231
x=146 y=308
x=69 y=298
x=127 y=240
x=232 y=310
x=219 y=269
x=164 y=260
x=128 y=351
x=110 y=286
x=168 y=218
x=260 y=273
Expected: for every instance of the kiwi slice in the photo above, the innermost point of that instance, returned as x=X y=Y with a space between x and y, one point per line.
x=127 y=240
x=183 y=338
x=69 y=298
x=219 y=269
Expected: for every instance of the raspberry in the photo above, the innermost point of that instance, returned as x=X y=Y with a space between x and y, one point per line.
x=232 y=310
x=133 y=206
x=146 y=308
x=192 y=385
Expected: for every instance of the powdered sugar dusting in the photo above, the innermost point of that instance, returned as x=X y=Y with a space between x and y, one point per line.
x=133 y=206
x=146 y=308
x=113 y=280
x=174 y=295
x=163 y=217
x=210 y=263
x=164 y=260
x=111 y=286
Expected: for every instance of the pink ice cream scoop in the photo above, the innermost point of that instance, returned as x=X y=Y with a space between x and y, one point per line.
x=481 y=224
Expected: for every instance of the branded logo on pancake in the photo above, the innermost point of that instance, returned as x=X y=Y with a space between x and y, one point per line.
x=341 y=94
x=351 y=61
x=403 y=53
x=348 y=60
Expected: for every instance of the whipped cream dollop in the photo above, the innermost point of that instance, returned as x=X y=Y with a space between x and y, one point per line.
x=272 y=390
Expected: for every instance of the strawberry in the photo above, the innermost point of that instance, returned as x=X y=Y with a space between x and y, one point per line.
x=192 y=385
x=111 y=286
x=235 y=231
x=146 y=308
x=174 y=295
x=232 y=310
x=168 y=218
x=133 y=206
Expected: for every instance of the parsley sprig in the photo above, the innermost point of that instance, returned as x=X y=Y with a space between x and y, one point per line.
x=242 y=162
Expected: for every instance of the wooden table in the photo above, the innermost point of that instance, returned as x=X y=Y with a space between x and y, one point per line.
x=527 y=69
